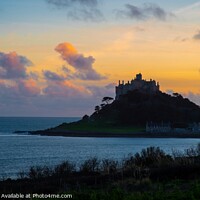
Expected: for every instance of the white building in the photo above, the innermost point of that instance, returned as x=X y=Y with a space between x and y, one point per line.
x=195 y=127
x=158 y=127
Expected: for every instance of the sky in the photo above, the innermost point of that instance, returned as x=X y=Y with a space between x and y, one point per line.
x=61 y=57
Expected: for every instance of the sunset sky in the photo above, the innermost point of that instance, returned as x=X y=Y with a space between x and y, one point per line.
x=61 y=57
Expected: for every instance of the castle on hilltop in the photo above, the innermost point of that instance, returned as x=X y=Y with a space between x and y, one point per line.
x=137 y=84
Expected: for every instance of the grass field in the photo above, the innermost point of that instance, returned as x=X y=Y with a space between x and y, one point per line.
x=99 y=128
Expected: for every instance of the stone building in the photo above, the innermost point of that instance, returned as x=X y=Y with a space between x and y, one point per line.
x=136 y=84
x=194 y=127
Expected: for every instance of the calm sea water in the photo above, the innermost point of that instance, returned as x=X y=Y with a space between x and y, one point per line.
x=20 y=151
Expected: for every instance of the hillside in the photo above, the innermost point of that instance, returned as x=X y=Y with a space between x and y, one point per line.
x=137 y=103
x=137 y=108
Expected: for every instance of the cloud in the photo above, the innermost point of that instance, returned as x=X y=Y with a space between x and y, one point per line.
x=83 y=65
x=65 y=89
x=28 y=88
x=193 y=97
x=30 y=94
x=25 y=99
x=111 y=86
x=33 y=75
x=170 y=91
x=19 y=90
x=187 y=9
x=101 y=91
x=86 y=15
x=70 y=54
x=68 y=3
x=133 y=12
x=181 y=39
x=197 y=36
x=49 y=75
x=13 y=65
x=146 y=12
x=79 y=9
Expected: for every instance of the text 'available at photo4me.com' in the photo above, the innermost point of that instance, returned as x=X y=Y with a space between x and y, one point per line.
x=36 y=196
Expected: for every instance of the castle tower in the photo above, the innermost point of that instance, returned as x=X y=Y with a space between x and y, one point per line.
x=137 y=84
x=138 y=77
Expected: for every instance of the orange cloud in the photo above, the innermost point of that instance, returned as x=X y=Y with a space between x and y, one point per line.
x=83 y=65
x=66 y=49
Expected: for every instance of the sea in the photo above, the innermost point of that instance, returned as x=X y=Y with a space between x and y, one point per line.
x=20 y=151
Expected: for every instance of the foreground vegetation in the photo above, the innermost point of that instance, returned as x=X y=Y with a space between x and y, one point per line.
x=148 y=175
x=154 y=191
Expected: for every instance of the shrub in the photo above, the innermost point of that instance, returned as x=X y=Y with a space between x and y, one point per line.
x=198 y=149
x=22 y=174
x=64 y=169
x=39 y=172
x=109 y=166
x=149 y=157
x=90 y=166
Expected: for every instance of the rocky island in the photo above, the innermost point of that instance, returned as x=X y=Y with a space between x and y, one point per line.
x=139 y=109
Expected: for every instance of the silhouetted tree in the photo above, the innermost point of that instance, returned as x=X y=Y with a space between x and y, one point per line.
x=85 y=118
x=64 y=169
x=91 y=165
x=176 y=94
x=102 y=105
x=97 y=109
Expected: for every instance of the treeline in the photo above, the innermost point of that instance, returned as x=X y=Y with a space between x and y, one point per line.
x=151 y=164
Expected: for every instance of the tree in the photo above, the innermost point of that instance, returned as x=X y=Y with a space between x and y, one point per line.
x=177 y=95
x=102 y=105
x=85 y=118
x=97 y=109
x=107 y=100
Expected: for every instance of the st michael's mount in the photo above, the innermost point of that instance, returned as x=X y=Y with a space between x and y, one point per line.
x=139 y=107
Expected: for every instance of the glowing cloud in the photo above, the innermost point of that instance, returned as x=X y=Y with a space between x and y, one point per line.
x=28 y=88
x=82 y=65
x=13 y=65
x=65 y=89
